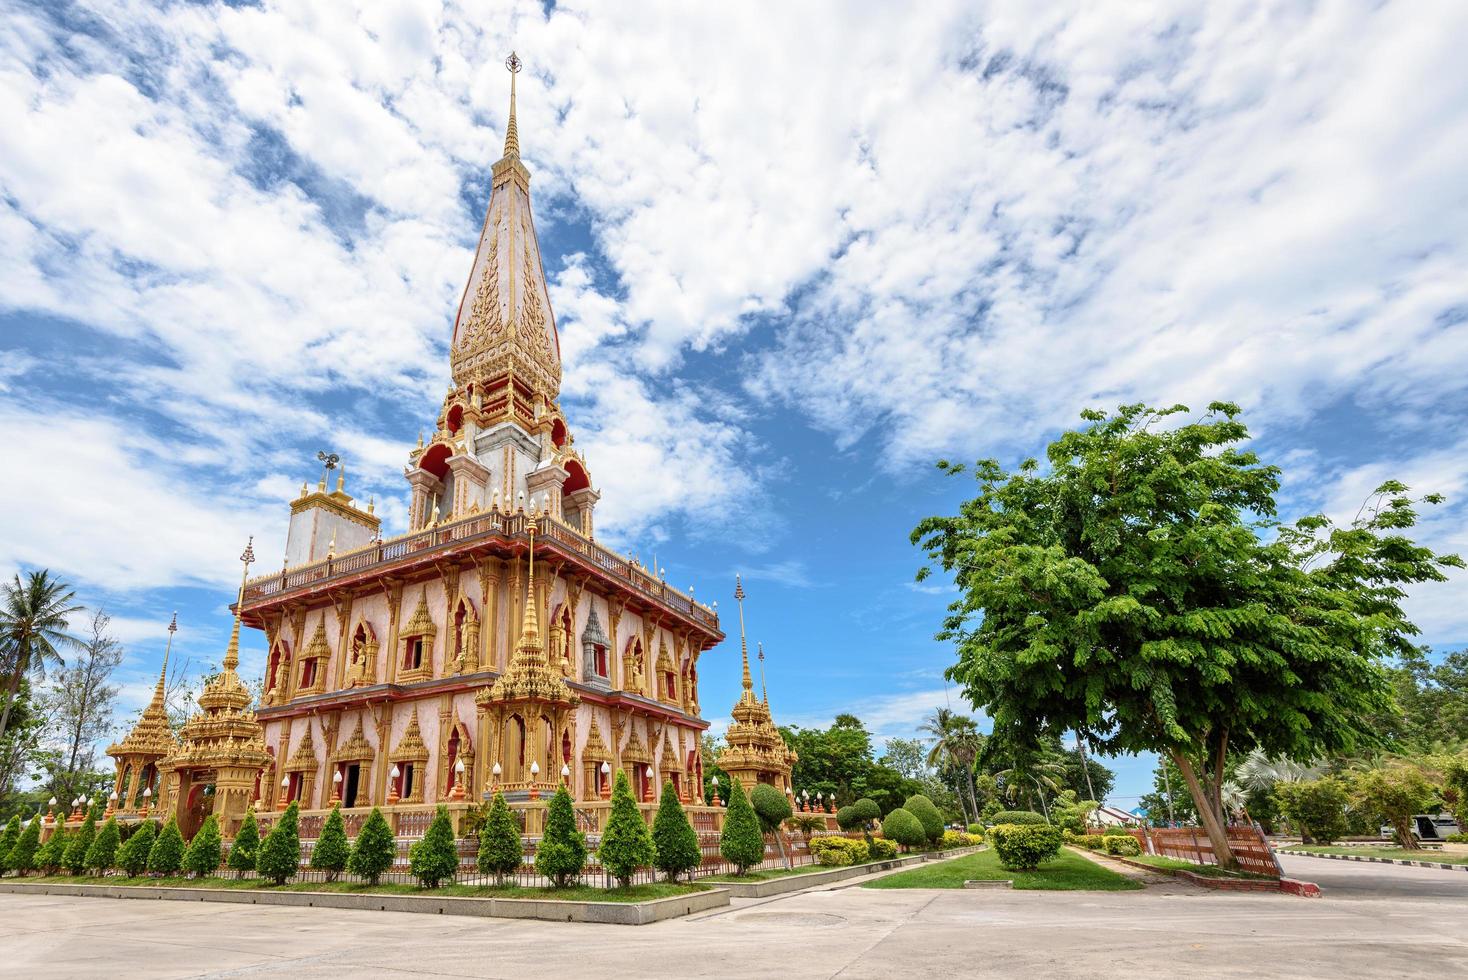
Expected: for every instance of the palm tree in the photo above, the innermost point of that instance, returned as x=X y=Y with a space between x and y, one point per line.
x=1258 y=771
x=33 y=623
x=956 y=740
x=1045 y=775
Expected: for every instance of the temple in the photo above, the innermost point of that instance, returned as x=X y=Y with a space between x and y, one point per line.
x=754 y=750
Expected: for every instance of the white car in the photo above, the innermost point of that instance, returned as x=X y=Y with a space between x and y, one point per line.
x=1426 y=827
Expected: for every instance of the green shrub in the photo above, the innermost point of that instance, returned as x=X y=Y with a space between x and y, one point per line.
x=374 y=850
x=976 y=828
x=1020 y=817
x=102 y=855
x=246 y=844
x=205 y=850
x=1093 y=842
x=922 y=808
x=673 y=837
x=22 y=857
x=8 y=837
x=867 y=812
x=332 y=852
x=840 y=851
x=562 y=851
x=904 y=828
x=1122 y=846
x=846 y=818
x=75 y=859
x=133 y=858
x=166 y=855
x=1115 y=831
x=1022 y=847
x=741 y=842
x=501 y=851
x=881 y=849
x=50 y=854
x=1317 y=808
x=279 y=856
x=1456 y=839
x=626 y=844
x=433 y=858
x=953 y=838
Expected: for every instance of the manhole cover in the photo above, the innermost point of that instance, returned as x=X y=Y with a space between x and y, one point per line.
x=802 y=919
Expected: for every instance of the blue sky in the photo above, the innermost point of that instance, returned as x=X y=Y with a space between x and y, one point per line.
x=796 y=255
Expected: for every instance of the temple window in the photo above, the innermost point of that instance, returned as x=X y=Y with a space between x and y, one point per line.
x=293 y=787
x=405 y=780
x=599 y=652
x=350 y=784
x=308 y=674
x=453 y=756
x=413 y=656
x=670 y=686
x=418 y=633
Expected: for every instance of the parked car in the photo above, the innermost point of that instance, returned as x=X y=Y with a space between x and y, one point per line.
x=1426 y=827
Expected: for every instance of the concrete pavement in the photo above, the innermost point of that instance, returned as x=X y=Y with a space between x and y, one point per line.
x=1362 y=928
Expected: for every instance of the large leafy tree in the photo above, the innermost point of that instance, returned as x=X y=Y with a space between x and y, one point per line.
x=1142 y=591
x=34 y=627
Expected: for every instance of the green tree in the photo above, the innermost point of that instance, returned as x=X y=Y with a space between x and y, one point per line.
x=675 y=842
x=102 y=855
x=1316 y=807
x=1071 y=813
x=434 y=858
x=75 y=858
x=374 y=850
x=927 y=814
x=562 y=851
x=741 y=842
x=205 y=851
x=904 y=828
x=1398 y=792
x=242 y=851
x=8 y=837
x=1455 y=780
x=133 y=857
x=1142 y=591
x=34 y=623
x=166 y=855
x=626 y=844
x=773 y=809
x=279 y=856
x=501 y=851
x=955 y=740
x=51 y=854
x=22 y=857
x=332 y=852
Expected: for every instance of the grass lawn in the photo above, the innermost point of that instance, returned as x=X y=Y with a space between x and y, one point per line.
x=1202 y=870
x=1387 y=852
x=580 y=893
x=1068 y=872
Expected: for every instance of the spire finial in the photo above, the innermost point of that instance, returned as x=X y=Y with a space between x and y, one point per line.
x=167 y=649
x=764 y=691
x=530 y=622
x=232 y=655
x=743 y=644
x=512 y=132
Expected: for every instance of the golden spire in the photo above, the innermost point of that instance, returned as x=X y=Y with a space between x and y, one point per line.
x=530 y=624
x=764 y=691
x=743 y=644
x=512 y=132
x=232 y=654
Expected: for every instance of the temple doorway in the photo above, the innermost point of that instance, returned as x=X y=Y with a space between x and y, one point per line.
x=350 y=785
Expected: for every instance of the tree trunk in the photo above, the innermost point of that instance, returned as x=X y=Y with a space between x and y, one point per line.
x=973 y=790
x=21 y=663
x=780 y=843
x=1406 y=840
x=1217 y=834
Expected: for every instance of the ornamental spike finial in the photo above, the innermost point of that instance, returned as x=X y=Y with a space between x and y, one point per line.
x=764 y=691
x=743 y=643
x=512 y=132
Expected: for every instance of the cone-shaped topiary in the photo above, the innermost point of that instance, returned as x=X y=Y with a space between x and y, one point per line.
x=279 y=857
x=773 y=809
x=50 y=854
x=22 y=857
x=102 y=855
x=246 y=845
x=626 y=844
x=741 y=843
x=166 y=855
x=202 y=858
x=500 y=849
x=75 y=859
x=8 y=837
x=133 y=858
x=434 y=859
x=375 y=850
x=922 y=808
x=562 y=851
x=904 y=828
x=332 y=851
x=673 y=837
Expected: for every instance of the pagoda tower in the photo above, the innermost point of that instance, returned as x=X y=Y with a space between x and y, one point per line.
x=754 y=750
x=149 y=743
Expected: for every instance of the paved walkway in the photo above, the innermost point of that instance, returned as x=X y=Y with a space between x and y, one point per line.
x=1361 y=880
x=1361 y=929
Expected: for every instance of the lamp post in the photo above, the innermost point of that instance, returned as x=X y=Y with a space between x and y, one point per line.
x=458 y=791
x=494 y=773
x=285 y=791
x=336 y=787
x=534 y=775
x=651 y=793
x=718 y=799
x=606 y=780
x=565 y=775
x=147 y=799
x=51 y=814
x=392 y=787
x=111 y=803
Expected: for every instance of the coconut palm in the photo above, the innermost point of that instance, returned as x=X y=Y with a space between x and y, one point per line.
x=33 y=624
x=956 y=740
x=1259 y=772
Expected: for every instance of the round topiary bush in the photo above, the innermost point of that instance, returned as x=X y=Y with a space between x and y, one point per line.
x=1122 y=846
x=927 y=813
x=904 y=828
x=1021 y=817
x=1022 y=847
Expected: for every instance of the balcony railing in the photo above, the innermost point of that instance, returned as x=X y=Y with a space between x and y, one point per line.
x=484 y=526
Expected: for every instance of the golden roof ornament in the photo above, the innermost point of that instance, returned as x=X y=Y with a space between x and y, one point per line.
x=152 y=737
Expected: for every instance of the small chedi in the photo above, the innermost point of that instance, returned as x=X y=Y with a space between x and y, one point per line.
x=496 y=645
